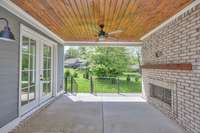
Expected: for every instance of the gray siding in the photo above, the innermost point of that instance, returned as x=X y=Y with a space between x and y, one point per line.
x=9 y=56
x=60 y=67
x=9 y=69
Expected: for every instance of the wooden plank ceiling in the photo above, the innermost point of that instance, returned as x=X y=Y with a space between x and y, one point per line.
x=77 y=20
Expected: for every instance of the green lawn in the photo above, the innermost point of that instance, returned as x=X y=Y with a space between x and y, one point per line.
x=106 y=85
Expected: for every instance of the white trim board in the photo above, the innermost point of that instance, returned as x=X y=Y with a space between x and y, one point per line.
x=83 y=43
x=17 y=11
x=189 y=7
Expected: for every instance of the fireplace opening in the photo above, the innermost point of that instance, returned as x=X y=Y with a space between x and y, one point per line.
x=161 y=93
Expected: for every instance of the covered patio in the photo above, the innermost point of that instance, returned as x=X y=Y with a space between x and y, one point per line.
x=33 y=34
x=105 y=113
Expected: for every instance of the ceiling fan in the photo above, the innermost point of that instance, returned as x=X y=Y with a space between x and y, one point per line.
x=103 y=35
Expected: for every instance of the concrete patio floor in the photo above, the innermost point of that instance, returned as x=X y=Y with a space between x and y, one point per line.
x=109 y=113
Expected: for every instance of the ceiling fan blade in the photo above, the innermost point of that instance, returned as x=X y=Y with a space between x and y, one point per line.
x=115 y=32
x=95 y=29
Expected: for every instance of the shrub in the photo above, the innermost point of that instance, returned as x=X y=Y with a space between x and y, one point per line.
x=67 y=73
x=84 y=76
x=128 y=79
x=136 y=79
x=75 y=75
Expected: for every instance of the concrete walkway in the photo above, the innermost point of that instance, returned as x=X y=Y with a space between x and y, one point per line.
x=110 y=113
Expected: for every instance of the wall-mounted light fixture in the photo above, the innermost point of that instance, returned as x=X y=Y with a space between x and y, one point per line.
x=6 y=33
x=158 y=54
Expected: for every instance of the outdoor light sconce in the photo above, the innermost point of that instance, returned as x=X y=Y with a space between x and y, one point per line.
x=158 y=54
x=6 y=33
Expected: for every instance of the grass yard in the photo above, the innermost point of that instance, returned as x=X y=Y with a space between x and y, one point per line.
x=106 y=85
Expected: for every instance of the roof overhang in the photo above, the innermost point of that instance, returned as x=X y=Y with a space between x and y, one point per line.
x=17 y=11
x=116 y=44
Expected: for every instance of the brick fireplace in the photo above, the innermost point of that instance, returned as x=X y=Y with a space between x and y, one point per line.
x=171 y=59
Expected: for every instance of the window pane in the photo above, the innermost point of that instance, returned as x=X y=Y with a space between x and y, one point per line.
x=49 y=63
x=45 y=75
x=25 y=76
x=25 y=61
x=24 y=84
x=49 y=53
x=45 y=63
x=32 y=93
x=24 y=96
x=32 y=47
x=25 y=45
x=49 y=74
x=49 y=87
x=45 y=87
x=46 y=51
x=32 y=78
x=32 y=62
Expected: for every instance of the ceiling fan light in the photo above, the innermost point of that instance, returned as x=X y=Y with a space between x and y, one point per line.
x=101 y=38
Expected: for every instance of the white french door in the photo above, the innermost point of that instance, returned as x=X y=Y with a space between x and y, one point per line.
x=28 y=79
x=36 y=70
x=46 y=71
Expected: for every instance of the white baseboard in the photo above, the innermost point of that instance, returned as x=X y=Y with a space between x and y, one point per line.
x=11 y=125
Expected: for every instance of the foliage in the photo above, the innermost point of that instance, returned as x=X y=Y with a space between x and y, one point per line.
x=106 y=85
x=128 y=78
x=75 y=74
x=67 y=73
x=136 y=79
x=109 y=61
x=72 y=53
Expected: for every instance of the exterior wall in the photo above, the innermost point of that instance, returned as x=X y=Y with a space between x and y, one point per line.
x=60 y=68
x=9 y=69
x=9 y=58
x=180 y=43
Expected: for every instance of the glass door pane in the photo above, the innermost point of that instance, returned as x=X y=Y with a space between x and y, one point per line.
x=28 y=71
x=47 y=71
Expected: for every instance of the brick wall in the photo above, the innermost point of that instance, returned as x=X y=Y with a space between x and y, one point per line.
x=179 y=42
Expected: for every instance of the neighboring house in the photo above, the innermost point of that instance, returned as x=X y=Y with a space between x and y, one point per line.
x=75 y=63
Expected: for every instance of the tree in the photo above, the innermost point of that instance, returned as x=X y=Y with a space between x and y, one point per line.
x=83 y=52
x=109 y=61
x=72 y=53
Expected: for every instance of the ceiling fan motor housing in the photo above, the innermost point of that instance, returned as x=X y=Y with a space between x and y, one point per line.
x=103 y=34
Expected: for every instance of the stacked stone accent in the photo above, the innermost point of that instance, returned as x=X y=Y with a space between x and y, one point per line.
x=179 y=42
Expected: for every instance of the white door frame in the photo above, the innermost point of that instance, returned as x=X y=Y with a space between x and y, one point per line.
x=25 y=31
x=47 y=43
x=31 y=105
